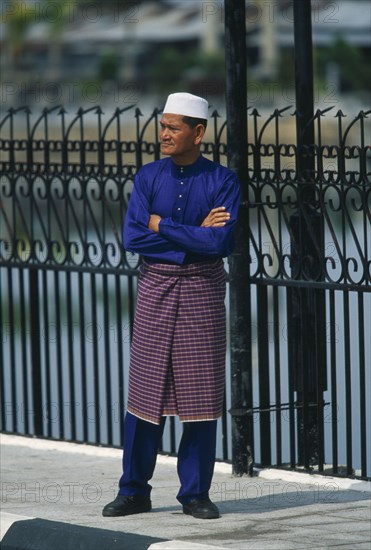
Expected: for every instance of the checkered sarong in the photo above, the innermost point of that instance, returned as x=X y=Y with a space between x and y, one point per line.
x=177 y=361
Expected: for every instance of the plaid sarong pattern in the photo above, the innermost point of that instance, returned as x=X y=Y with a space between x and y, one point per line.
x=177 y=360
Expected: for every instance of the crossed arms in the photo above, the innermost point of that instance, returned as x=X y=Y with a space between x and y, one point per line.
x=217 y=217
x=165 y=239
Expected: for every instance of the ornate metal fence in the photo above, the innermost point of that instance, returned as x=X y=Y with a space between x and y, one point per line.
x=310 y=268
x=68 y=286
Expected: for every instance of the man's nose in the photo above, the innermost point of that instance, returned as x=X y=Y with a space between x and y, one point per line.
x=164 y=134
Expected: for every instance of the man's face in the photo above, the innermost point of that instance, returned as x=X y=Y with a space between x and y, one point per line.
x=177 y=138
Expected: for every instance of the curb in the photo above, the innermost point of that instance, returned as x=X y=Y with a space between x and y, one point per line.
x=89 y=450
x=316 y=479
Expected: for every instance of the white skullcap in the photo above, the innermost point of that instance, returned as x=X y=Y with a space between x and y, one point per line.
x=187 y=105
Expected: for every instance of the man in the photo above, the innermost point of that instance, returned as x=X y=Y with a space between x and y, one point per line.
x=180 y=218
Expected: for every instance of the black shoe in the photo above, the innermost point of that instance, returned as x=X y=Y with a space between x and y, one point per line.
x=127 y=505
x=201 y=509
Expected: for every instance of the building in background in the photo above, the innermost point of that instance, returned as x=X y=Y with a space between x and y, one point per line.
x=63 y=49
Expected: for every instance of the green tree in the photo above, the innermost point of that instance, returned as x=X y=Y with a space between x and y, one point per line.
x=351 y=64
x=109 y=64
x=172 y=68
x=17 y=19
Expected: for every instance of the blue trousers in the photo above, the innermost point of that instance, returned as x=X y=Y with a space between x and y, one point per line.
x=196 y=457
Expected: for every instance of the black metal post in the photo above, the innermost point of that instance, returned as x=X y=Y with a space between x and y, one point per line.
x=304 y=88
x=240 y=319
x=306 y=306
x=36 y=378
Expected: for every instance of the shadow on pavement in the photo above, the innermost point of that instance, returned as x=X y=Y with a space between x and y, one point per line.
x=42 y=534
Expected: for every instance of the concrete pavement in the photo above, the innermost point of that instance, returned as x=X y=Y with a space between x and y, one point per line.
x=52 y=494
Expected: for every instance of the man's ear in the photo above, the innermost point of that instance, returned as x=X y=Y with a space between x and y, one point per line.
x=199 y=133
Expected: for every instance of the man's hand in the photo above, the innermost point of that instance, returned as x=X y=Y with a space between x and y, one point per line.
x=217 y=217
x=153 y=223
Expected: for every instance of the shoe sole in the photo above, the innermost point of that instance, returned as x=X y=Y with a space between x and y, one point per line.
x=117 y=514
x=205 y=515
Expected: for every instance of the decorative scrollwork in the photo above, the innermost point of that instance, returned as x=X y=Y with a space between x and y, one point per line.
x=65 y=187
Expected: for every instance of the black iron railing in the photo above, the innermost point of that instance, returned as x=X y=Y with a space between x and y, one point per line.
x=68 y=286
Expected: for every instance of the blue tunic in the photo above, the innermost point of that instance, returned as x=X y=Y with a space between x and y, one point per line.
x=183 y=197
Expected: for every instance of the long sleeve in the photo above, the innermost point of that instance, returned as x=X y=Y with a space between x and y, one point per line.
x=182 y=196
x=138 y=238
x=207 y=240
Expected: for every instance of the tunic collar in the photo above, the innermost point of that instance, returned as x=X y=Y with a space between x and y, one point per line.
x=179 y=171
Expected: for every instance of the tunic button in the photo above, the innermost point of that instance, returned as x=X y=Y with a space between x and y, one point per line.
x=179 y=209
x=180 y=196
x=182 y=183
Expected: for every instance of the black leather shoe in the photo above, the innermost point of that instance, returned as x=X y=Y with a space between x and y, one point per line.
x=201 y=509
x=127 y=505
